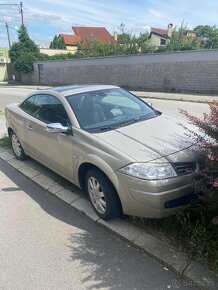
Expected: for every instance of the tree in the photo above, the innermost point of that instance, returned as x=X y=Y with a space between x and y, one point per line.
x=180 y=41
x=203 y=30
x=208 y=35
x=212 y=41
x=57 y=43
x=95 y=48
x=24 y=52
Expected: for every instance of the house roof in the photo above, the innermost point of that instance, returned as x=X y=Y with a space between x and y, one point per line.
x=99 y=33
x=160 y=32
x=70 y=39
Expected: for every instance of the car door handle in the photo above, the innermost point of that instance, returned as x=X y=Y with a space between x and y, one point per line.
x=29 y=127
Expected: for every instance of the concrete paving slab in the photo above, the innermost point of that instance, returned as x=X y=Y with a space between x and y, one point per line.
x=44 y=181
x=3 y=150
x=17 y=163
x=163 y=252
x=122 y=228
x=85 y=206
x=201 y=276
x=28 y=171
x=55 y=188
x=7 y=155
x=67 y=196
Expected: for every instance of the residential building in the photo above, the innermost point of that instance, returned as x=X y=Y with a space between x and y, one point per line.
x=160 y=37
x=82 y=34
x=4 y=59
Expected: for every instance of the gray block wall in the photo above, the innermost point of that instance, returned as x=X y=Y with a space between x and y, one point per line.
x=188 y=71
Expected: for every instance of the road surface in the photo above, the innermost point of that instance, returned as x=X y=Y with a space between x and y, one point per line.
x=46 y=244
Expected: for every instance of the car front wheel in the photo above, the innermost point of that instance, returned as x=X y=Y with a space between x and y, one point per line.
x=103 y=195
x=17 y=147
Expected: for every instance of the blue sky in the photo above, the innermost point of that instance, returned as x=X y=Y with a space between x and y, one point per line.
x=46 y=18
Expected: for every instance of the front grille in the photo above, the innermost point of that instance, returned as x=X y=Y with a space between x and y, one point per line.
x=183 y=168
x=180 y=201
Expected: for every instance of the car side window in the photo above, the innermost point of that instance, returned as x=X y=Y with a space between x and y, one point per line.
x=50 y=110
x=29 y=106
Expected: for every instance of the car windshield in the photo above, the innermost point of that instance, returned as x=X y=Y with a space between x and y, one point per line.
x=108 y=109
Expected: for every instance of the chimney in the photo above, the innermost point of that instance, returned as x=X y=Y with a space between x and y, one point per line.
x=115 y=36
x=169 y=29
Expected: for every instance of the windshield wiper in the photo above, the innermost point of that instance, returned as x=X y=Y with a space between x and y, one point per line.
x=106 y=128
x=144 y=118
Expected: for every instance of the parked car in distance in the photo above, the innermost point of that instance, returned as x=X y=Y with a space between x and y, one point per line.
x=129 y=157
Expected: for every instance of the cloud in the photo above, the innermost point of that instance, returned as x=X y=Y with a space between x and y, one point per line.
x=48 y=17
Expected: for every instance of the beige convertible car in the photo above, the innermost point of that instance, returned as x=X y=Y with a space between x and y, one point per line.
x=129 y=157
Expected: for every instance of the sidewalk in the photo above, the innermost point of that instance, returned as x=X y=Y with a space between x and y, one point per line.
x=141 y=94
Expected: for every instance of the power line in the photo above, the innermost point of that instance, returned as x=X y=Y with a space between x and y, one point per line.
x=20 y=9
x=32 y=37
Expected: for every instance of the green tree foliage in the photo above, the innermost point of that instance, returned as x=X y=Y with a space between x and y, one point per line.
x=24 y=52
x=95 y=48
x=131 y=44
x=208 y=35
x=212 y=41
x=203 y=30
x=181 y=41
x=57 y=43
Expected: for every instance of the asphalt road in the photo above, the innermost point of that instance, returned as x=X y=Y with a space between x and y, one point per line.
x=45 y=244
x=16 y=95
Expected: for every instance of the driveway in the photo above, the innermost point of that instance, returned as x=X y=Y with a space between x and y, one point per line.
x=45 y=244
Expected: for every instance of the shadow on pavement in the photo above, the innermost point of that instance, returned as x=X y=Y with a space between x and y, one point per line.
x=106 y=261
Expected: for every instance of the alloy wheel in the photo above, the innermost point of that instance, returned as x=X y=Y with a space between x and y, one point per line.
x=97 y=195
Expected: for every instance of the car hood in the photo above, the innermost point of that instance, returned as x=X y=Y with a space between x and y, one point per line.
x=161 y=138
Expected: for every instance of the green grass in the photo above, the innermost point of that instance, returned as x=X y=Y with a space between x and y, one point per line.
x=5 y=141
x=2 y=113
x=190 y=230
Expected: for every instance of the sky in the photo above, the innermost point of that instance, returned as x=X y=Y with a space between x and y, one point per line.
x=45 y=19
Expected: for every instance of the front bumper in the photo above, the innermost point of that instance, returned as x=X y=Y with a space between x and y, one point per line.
x=156 y=199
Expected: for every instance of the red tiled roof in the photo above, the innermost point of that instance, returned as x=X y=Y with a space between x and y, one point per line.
x=70 y=39
x=159 y=31
x=99 y=33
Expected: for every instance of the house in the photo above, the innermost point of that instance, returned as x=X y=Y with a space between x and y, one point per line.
x=82 y=34
x=160 y=37
x=4 y=60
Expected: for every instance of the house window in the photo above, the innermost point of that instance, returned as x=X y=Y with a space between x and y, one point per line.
x=162 y=41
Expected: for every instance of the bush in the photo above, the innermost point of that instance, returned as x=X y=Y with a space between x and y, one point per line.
x=207 y=142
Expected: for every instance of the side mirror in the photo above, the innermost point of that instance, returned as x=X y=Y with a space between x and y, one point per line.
x=57 y=128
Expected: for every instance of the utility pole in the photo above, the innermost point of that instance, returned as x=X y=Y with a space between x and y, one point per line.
x=21 y=12
x=20 y=8
x=9 y=41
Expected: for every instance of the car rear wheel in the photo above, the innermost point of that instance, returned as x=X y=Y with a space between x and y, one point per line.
x=17 y=147
x=103 y=195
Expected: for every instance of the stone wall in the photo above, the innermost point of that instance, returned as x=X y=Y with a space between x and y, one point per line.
x=188 y=71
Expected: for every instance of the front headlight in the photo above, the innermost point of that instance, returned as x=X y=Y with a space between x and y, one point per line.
x=149 y=171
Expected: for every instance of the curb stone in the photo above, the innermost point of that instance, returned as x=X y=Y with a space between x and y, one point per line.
x=195 y=273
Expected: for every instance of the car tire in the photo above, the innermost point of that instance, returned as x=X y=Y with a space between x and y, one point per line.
x=16 y=146
x=102 y=195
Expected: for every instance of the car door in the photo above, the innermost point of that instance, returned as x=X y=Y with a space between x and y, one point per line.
x=52 y=149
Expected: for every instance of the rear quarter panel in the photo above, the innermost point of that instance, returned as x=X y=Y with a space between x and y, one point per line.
x=15 y=120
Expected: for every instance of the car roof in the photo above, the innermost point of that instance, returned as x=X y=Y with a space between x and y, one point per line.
x=76 y=89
